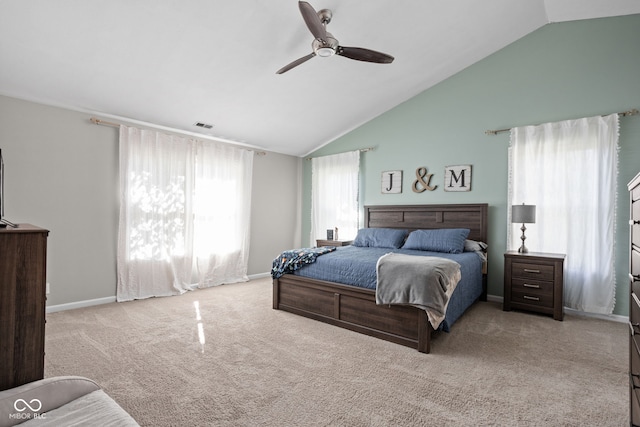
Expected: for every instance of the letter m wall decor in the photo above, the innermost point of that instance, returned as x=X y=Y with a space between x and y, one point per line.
x=457 y=178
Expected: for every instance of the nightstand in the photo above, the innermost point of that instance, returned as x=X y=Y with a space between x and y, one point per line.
x=534 y=282
x=324 y=242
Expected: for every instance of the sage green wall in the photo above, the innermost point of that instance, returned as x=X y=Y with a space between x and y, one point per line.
x=561 y=71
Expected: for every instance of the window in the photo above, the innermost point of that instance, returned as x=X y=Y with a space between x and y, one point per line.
x=334 y=198
x=569 y=171
x=185 y=213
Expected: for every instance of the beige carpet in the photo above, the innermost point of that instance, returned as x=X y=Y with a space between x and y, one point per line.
x=263 y=367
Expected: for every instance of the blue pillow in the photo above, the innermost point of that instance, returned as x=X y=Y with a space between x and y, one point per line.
x=449 y=240
x=380 y=238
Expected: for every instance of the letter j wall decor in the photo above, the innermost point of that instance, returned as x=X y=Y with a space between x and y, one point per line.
x=391 y=182
x=457 y=178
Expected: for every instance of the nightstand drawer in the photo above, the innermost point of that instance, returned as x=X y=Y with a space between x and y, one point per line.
x=532 y=286
x=532 y=271
x=531 y=298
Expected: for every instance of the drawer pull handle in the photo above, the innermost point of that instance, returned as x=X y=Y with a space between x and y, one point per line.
x=634 y=379
x=632 y=222
x=527 y=285
x=531 y=298
x=528 y=270
x=634 y=278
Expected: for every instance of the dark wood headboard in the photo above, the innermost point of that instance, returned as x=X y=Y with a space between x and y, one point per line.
x=414 y=217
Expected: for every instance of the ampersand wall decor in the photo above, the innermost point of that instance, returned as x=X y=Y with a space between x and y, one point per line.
x=420 y=184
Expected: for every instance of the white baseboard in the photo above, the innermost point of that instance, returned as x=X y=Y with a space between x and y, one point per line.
x=611 y=317
x=107 y=300
x=80 y=304
x=491 y=298
x=495 y=298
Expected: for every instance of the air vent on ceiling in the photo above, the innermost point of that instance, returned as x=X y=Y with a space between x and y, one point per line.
x=203 y=125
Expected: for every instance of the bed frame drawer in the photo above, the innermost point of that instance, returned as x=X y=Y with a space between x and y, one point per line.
x=309 y=299
x=401 y=322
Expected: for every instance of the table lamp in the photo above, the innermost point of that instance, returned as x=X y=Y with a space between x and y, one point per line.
x=524 y=214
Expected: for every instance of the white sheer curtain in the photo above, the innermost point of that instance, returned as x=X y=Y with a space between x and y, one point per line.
x=177 y=196
x=334 y=195
x=222 y=213
x=569 y=171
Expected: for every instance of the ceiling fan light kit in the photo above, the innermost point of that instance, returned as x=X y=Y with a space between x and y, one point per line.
x=325 y=52
x=325 y=45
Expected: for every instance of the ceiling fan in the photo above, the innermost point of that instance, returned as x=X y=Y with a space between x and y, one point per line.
x=325 y=45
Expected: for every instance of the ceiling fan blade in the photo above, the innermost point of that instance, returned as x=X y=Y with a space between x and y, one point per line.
x=312 y=20
x=367 y=55
x=295 y=63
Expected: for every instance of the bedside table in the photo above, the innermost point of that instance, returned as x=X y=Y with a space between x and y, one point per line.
x=534 y=282
x=324 y=242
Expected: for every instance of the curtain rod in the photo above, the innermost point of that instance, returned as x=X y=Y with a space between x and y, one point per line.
x=98 y=121
x=362 y=150
x=631 y=112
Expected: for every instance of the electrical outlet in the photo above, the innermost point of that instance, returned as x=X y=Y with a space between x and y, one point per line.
x=48 y=288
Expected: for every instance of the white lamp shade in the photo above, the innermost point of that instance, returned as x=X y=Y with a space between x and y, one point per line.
x=523 y=214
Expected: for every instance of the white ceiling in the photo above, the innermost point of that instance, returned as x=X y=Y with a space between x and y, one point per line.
x=173 y=63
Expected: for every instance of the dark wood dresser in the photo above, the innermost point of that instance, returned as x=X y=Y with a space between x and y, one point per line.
x=23 y=268
x=634 y=300
x=534 y=281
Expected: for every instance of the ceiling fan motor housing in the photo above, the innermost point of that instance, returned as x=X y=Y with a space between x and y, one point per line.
x=325 y=47
x=325 y=16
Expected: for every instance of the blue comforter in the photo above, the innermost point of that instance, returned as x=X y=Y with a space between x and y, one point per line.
x=356 y=266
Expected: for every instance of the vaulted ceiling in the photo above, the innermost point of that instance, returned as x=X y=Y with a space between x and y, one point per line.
x=174 y=63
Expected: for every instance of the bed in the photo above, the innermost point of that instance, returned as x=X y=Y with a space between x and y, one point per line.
x=355 y=308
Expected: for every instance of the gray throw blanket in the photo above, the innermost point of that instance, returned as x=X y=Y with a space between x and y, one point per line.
x=421 y=281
